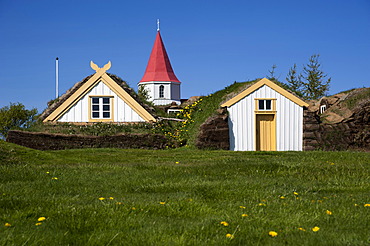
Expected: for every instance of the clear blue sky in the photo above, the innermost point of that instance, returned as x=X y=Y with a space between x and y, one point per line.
x=211 y=44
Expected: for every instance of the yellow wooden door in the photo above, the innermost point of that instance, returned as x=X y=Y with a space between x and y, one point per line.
x=265 y=132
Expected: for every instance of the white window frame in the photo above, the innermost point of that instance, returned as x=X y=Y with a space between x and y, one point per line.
x=161 y=91
x=101 y=108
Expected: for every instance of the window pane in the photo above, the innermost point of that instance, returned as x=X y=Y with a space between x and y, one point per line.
x=261 y=104
x=268 y=104
x=95 y=114
x=95 y=100
x=106 y=114
x=105 y=100
x=106 y=108
x=95 y=107
x=161 y=91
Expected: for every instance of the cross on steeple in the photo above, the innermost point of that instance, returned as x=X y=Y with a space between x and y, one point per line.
x=157 y=25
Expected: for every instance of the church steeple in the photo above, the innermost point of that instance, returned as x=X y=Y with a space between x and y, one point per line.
x=159 y=80
x=159 y=66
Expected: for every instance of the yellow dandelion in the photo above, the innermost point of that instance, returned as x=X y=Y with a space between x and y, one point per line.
x=316 y=228
x=230 y=236
x=41 y=219
x=356 y=205
x=282 y=197
x=162 y=203
x=54 y=178
x=329 y=212
x=37 y=224
x=242 y=207
x=244 y=215
x=301 y=229
x=273 y=233
x=295 y=193
x=177 y=162
x=261 y=204
x=367 y=205
x=111 y=198
x=47 y=172
x=224 y=223
x=101 y=198
x=7 y=225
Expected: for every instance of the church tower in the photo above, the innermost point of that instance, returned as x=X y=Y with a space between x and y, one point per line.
x=159 y=80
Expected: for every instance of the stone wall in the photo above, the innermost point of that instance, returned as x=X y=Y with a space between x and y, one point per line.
x=46 y=141
x=214 y=133
x=352 y=133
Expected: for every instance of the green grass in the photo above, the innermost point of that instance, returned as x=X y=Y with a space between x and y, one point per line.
x=203 y=189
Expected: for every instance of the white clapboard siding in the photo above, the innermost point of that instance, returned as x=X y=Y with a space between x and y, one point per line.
x=289 y=122
x=122 y=111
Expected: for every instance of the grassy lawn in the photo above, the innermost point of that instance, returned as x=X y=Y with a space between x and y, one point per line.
x=181 y=196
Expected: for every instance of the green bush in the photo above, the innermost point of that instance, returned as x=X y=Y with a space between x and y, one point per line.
x=15 y=116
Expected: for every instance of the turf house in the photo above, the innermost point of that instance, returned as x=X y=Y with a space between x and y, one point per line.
x=265 y=117
x=101 y=97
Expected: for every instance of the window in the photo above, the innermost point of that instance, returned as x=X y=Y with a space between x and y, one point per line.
x=322 y=109
x=161 y=91
x=265 y=104
x=100 y=107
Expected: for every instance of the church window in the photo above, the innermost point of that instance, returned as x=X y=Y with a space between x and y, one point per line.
x=161 y=91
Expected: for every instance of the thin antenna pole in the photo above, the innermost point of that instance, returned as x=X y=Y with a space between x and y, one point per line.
x=56 y=77
x=157 y=25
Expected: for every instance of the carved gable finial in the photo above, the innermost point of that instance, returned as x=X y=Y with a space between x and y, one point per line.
x=97 y=68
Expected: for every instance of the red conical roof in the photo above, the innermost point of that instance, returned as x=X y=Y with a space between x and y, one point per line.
x=159 y=66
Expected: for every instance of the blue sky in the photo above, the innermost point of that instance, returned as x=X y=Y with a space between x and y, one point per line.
x=211 y=44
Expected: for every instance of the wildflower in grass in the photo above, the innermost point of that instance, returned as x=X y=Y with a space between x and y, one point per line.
x=7 y=225
x=242 y=207
x=282 y=197
x=111 y=198
x=119 y=203
x=356 y=205
x=177 y=162
x=41 y=219
x=316 y=228
x=367 y=205
x=273 y=233
x=133 y=208
x=295 y=193
x=224 y=223
x=230 y=236
x=38 y=223
x=244 y=215
x=47 y=172
x=101 y=198
x=261 y=204
x=54 y=178
x=162 y=203
x=301 y=229
x=329 y=212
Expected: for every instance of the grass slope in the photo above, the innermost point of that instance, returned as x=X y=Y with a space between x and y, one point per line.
x=180 y=197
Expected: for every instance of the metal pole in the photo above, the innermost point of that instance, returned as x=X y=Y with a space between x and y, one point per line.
x=56 y=78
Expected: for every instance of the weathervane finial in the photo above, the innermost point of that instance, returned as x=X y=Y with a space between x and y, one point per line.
x=157 y=25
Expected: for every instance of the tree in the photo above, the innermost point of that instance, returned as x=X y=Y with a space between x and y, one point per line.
x=15 y=116
x=314 y=84
x=271 y=75
x=294 y=81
